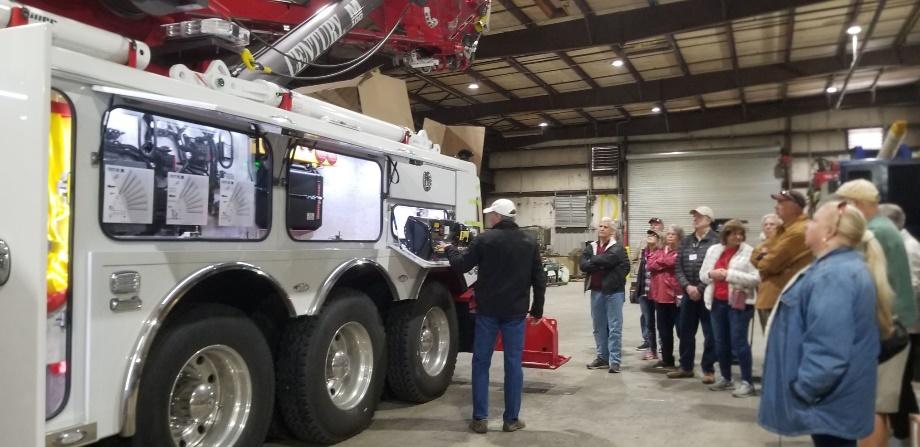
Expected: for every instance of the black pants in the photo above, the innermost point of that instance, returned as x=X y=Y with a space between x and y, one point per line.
x=694 y=314
x=900 y=421
x=666 y=314
x=832 y=441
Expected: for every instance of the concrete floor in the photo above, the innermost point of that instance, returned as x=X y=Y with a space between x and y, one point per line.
x=575 y=406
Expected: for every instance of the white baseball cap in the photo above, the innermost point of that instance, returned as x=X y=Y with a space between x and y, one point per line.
x=859 y=189
x=703 y=211
x=504 y=207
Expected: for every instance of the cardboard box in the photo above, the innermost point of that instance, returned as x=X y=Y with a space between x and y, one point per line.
x=454 y=139
x=372 y=94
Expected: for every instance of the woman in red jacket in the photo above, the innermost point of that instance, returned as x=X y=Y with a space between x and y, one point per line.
x=666 y=292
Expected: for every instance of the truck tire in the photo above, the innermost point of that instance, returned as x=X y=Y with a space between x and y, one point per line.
x=422 y=338
x=203 y=373
x=331 y=369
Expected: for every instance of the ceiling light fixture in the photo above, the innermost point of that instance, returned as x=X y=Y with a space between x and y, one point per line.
x=473 y=86
x=854 y=30
x=656 y=109
x=831 y=89
x=617 y=63
x=544 y=124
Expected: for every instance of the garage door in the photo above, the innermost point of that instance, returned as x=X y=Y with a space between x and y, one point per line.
x=735 y=184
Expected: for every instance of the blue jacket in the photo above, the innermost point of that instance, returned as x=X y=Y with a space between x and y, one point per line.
x=822 y=352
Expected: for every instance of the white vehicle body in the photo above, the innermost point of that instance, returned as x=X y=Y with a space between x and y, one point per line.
x=110 y=333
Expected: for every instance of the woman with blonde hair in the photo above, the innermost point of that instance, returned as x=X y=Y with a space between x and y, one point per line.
x=820 y=368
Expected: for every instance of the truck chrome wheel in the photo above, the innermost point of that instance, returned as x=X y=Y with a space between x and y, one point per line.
x=349 y=365
x=434 y=341
x=210 y=400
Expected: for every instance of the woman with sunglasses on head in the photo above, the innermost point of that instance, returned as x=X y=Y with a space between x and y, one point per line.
x=824 y=336
x=733 y=283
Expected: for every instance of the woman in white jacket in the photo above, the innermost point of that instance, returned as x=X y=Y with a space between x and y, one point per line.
x=731 y=286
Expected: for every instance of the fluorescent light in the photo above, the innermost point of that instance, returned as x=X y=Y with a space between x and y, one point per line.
x=617 y=63
x=656 y=109
x=831 y=89
x=544 y=124
x=854 y=30
x=473 y=86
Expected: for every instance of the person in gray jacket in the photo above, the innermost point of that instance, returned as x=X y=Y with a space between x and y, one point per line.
x=693 y=312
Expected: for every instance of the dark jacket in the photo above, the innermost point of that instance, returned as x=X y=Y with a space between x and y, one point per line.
x=640 y=274
x=509 y=265
x=612 y=264
x=690 y=257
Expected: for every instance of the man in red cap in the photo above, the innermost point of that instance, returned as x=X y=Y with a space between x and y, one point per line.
x=784 y=254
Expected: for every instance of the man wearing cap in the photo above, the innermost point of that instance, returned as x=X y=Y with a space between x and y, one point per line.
x=693 y=312
x=509 y=265
x=605 y=262
x=784 y=254
x=637 y=266
x=864 y=195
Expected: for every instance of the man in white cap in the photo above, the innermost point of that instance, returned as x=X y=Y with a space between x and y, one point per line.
x=509 y=265
x=693 y=312
x=889 y=407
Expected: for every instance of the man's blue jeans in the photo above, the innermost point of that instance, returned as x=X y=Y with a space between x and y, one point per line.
x=694 y=314
x=487 y=329
x=607 y=318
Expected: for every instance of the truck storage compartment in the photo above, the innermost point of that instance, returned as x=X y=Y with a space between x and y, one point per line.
x=305 y=198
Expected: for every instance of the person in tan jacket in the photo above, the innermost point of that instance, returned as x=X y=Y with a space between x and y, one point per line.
x=780 y=257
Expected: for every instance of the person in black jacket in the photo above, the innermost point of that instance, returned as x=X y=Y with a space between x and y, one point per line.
x=509 y=265
x=606 y=264
x=693 y=312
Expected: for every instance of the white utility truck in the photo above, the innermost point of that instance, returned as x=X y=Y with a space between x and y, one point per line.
x=189 y=260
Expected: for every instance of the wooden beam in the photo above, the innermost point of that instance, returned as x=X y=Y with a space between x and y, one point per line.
x=677 y=87
x=790 y=34
x=627 y=26
x=577 y=69
x=629 y=66
x=714 y=117
x=548 y=8
x=909 y=23
x=445 y=87
x=733 y=51
x=518 y=13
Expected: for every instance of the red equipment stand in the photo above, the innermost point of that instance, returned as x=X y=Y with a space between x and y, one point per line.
x=541 y=345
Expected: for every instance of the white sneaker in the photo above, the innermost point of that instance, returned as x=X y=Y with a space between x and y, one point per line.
x=745 y=389
x=723 y=385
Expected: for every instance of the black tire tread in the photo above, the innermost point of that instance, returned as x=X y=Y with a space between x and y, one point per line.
x=300 y=414
x=401 y=361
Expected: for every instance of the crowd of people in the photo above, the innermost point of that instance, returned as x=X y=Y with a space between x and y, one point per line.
x=835 y=292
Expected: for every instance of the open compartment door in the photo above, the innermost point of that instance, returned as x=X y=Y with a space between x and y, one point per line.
x=24 y=123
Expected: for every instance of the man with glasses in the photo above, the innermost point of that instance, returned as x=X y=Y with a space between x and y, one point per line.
x=784 y=254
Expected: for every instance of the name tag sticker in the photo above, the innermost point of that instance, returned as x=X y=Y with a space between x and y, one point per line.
x=692 y=256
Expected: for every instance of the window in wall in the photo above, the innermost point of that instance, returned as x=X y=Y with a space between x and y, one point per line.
x=167 y=178
x=869 y=138
x=332 y=196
